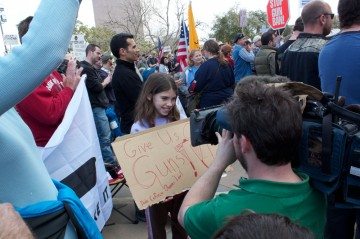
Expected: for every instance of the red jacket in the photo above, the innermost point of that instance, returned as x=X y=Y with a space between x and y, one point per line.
x=44 y=109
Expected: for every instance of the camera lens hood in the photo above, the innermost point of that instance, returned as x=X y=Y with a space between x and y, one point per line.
x=223 y=118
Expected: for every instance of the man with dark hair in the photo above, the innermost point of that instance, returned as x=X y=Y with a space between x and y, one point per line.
x=99 y=102
x=265 y=59
x=267 y=128
x=300 y=60
x=340 y=57
x=126 y=81
x=44 y=109
x=242 y=58
x=297 y=29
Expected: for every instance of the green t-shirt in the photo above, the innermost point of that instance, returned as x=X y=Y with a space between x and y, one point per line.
x=298 y=201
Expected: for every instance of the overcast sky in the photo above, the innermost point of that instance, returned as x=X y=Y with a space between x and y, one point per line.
x=204 y=11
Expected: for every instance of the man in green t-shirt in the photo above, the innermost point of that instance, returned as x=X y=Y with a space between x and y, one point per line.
x=267 y=126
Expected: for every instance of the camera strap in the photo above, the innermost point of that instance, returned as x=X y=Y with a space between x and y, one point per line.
x=326 y=143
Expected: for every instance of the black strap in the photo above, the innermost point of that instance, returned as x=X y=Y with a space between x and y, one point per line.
x=52 y=226
x=326 y=143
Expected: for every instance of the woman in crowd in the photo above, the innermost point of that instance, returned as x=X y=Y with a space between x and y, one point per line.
x=163 y=65
x=157 y=106
x=214 y=79
x=195 y=59
x=226 y=50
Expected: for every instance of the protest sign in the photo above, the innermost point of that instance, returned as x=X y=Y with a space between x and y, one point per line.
x=161 y=162
x=278 y=13
x=73 y=157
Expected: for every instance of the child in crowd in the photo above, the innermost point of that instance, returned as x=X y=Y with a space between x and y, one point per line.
x=157 y=106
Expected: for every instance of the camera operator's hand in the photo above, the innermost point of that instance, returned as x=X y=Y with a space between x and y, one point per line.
x=72 y=76
x=225 y=154
x=205 y=187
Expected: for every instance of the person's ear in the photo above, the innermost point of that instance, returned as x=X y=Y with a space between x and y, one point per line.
x=323 y=19
x=245 y=144
x=149 y=97
x=122 y=51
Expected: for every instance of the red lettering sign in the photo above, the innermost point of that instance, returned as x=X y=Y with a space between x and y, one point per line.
x=278 y=13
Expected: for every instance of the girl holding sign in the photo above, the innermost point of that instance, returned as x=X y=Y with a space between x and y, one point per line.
x=157 y=106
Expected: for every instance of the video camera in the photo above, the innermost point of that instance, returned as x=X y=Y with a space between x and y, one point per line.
x=329 y=151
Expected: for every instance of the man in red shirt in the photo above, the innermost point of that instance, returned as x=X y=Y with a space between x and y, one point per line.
x=44 y=109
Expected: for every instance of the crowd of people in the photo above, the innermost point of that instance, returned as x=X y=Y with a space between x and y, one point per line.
x=130 y=92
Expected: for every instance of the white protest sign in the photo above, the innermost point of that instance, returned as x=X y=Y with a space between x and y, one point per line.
x=73 y=156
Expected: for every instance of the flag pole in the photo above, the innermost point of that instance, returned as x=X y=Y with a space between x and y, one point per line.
x=185 y=36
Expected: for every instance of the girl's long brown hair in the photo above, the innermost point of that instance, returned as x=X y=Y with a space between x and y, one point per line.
x=145 y=111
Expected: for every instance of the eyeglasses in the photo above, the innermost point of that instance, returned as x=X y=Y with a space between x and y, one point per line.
x=332 y=15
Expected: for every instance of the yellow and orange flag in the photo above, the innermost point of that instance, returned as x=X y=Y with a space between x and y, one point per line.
x=193 y=38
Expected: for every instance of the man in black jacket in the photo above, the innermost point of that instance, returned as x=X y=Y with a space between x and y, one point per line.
x=99 y=101
x=300 y=60
x=126 y=82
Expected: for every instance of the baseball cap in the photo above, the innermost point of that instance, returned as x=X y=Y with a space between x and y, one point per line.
x=238 y=36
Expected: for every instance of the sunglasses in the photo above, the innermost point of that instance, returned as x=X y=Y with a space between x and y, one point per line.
x=332 y=15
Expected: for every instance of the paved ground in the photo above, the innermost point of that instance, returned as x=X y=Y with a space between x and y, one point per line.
x=120 y=227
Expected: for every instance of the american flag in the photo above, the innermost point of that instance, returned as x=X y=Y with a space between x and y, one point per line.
x=182 y=46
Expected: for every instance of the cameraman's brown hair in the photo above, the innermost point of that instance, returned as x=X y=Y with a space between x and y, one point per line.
x=262 y=226
x=270 y=118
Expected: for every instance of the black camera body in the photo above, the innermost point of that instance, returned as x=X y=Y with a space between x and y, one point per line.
x=329 y=151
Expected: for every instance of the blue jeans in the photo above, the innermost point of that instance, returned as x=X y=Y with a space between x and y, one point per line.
x=104 y=134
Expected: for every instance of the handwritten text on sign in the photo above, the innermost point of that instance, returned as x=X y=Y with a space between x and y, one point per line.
x=161 y=162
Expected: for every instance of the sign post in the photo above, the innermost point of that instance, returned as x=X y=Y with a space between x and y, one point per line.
x=278 y=13
x=242 y=18
x=79 y=45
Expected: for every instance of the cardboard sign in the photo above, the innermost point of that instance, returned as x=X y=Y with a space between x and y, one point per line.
x=161 y=162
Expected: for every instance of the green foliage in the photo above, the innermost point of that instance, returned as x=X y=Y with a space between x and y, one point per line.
x=256 y=19
x=227 y=25
x=144 y=46
x=287 y=31
x=336 y=22
x=96 y=35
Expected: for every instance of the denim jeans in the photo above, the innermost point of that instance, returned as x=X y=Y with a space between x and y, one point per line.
x=104 y=134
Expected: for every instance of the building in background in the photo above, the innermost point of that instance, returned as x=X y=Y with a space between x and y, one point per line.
x=120 y=15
